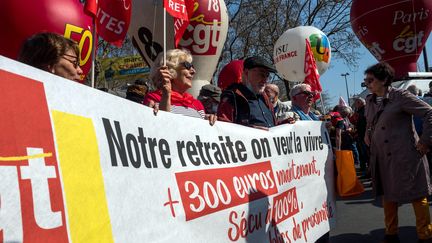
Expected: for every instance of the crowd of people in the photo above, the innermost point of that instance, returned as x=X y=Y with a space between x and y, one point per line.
x=379 y=130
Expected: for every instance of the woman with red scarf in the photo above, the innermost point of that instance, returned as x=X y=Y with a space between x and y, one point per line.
x=173 y=80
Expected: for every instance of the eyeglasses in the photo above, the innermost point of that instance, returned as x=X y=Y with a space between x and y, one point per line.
x=307 y=93
x=368 y=80
x=188 y=65
x=75 y=63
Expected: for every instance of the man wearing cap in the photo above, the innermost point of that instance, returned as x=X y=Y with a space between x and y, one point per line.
x=246 y=103
x=210 y=97
x=302 y=99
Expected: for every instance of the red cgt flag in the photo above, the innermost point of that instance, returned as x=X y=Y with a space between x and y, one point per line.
x=112 y=18
x=181 y=11
x=311 y=71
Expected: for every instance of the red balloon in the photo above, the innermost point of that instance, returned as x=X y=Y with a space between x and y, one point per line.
x=21 y=19
x=395 y=32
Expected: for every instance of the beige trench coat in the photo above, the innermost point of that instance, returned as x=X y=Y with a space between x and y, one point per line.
x=399 y=172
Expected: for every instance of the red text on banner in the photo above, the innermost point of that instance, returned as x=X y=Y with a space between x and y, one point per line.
x=207 y=191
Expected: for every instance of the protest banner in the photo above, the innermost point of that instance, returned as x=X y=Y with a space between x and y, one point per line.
x=81 y=165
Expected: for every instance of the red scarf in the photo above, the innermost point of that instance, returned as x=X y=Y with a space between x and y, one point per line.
x=177 y=99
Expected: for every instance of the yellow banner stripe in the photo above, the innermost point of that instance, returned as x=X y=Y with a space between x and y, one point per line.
x=82 y=178
x=22 y=158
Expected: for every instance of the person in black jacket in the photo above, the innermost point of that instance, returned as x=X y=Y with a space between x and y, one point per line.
x=246 y=103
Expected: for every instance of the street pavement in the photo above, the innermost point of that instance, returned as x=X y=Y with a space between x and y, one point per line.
x=361 y=220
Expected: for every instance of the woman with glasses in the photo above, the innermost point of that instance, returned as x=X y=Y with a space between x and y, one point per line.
x=399 y=168
x=53 y=53
x=173 y=81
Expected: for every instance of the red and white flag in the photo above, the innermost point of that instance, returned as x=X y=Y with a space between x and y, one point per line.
x=181 y=11
x=112 y=18
x=311 y=71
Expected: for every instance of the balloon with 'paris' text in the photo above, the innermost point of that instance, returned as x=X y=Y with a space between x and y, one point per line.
x=393 y=31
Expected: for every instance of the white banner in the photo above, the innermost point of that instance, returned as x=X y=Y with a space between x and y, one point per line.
x=92 y=167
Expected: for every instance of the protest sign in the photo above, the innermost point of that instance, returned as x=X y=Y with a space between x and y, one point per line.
x=81 y=165
x=123 y=69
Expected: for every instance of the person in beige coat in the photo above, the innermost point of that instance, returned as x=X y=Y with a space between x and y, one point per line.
x=399 y=167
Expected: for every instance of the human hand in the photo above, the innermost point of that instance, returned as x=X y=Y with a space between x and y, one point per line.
x=260 y=127
x=422 y=148
x=212 y=118
x=367 y=140
x=290 y=120
x=164 y=78
x=155 y=106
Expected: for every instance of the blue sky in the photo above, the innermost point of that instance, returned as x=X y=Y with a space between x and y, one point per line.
x=334 y=83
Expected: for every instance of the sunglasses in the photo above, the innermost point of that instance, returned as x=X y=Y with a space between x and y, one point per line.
x=307 y=93
x=188 y=65
x=75 y=63
x=368 y=80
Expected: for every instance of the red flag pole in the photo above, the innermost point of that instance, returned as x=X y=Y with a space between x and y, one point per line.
x=323 y=109
x=164 y=37
x=93 y=54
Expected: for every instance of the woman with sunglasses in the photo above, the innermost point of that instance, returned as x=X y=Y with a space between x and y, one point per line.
x=53 y=53
x=173 y=81
x=399 y=168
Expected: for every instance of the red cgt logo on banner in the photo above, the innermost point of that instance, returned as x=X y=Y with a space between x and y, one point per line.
x=112 y=18
x=32 y=207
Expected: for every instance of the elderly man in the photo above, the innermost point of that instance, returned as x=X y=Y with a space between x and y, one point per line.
x=246 y=103
x=302 y=100
x=280 y=109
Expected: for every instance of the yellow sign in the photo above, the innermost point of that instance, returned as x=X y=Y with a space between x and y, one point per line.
x=125 y=69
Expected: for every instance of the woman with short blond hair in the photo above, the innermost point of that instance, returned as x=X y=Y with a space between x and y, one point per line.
x=173 y=81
